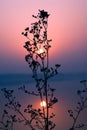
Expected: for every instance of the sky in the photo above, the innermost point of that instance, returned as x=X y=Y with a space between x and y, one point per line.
x=67 y=28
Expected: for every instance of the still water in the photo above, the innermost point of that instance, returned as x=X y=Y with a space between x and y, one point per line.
x=66 y=86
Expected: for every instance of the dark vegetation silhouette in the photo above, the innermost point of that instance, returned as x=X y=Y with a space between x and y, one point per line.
x=80 y=107
x=37 y=46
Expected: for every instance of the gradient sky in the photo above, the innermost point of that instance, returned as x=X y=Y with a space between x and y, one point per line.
x=67 y=28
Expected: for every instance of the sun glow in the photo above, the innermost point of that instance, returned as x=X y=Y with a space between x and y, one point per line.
x=43 y=104
x=40 y=51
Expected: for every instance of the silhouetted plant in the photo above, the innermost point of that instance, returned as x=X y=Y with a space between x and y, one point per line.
x=37 y=46
x=9 y=119
x=81 y=105
x=38 y=60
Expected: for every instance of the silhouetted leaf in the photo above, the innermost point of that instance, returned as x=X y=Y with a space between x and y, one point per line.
x=5 y=112
x=26 y=34
x=83 y=81
x=43 y=14
x=27 y=29
x=57 y=65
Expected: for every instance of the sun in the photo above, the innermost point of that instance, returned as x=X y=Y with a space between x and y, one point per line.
x=40 y=51
x=43 y=104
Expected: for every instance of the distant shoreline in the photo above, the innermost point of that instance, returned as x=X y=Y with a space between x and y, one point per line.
x=17 y=79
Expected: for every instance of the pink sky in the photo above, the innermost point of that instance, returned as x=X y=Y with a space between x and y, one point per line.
x=67 y=28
